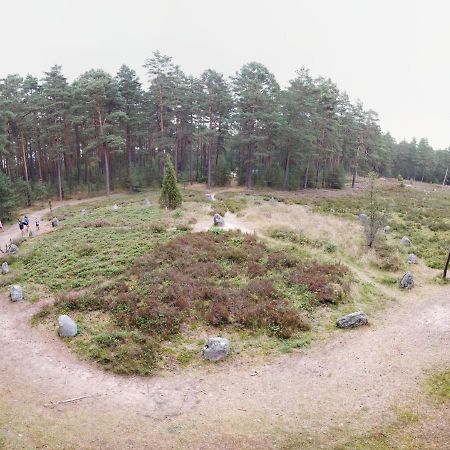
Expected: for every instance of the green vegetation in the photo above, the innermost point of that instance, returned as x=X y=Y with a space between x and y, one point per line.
x=102 y=132
x=439 y=386
x=225 y=281
x=418 y=212
x=170 y=194
x=92 y=248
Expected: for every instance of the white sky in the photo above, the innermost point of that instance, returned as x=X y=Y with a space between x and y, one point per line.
x=394 y=55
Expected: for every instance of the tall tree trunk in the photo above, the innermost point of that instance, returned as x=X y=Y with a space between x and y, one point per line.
x=130 y=159
x=37 y=135
x=286 y=171
x=25 y=167
x=354 y=176
x=209 y=157
x=104 y=149
x=78 y=153
x=249 y=167
x=58 y=166
x=305 y=183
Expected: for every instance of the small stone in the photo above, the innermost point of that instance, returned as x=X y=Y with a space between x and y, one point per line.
x=83 y=212
x=387 y=229
x=5 y=268
x=355 y=319
x=405 y=241
x=115 y=207
x=363 y=217
x=147 y=202
x=218 y=220
x=210 y=197
x=13 y=249
x=55 y=222
x=15 y=292
x=67 y=327
x=407 y=281
x=412 y=259
x=216 y=348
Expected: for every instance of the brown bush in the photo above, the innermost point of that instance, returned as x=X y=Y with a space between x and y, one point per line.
x=221 y=279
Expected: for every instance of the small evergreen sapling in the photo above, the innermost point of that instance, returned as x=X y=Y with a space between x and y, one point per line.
x=170 y=194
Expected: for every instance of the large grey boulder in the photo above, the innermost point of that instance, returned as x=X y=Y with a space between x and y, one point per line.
x=67 y=327
x=352 y=320
x=83 y=212
x=387 y=229
x=407 y=281
x=115 y=207
x=412 y=259
x=15 y=292
x=218 y=220
x=55 y=222
x=405 y=241
x=13 y=249
x=216 y=348
x=5 y=268
x=363 y=217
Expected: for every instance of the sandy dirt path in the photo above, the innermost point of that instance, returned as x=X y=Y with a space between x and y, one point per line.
x=351 y=381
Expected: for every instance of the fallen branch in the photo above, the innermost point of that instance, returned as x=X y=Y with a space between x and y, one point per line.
x=69 y=400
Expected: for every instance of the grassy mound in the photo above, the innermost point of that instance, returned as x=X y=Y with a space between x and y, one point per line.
x=226 y=281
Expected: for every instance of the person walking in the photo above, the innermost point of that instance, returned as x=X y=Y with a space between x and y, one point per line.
x=37 y=224
x=21 y=225
x=26 y=222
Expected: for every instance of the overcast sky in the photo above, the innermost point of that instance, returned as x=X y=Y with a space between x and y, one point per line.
x=394 y=55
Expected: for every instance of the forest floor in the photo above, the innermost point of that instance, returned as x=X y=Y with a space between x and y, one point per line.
x=364 y=388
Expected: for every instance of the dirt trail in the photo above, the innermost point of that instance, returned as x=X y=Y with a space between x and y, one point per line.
x=348 y=382
x=12 y=232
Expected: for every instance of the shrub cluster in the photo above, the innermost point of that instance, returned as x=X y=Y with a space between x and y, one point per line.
x=221 y=279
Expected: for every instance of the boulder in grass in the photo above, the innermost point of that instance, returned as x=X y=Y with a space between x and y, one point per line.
x=55 y=222
x=147 y=202
x=83 y=212
x=67 y=327
x=218 y=220
x=15 y=292
x=5 y=268
x=405 y=240
x=363 y=217
x=407 y=281
x=387 y=229
x=412 y=259
x=115 y=207
x=216 y=348
x=13 y=249
x=352 y=320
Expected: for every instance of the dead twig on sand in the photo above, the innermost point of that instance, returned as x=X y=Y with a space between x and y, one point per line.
x=69 y=400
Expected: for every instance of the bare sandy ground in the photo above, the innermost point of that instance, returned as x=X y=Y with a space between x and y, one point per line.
x=352 y=382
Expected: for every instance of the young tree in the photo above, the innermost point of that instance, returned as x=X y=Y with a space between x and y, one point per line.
x=170 y=194
x=376 y=214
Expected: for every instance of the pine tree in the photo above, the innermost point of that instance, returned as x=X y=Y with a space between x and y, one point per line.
x=8 y=196
x=170 y=194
